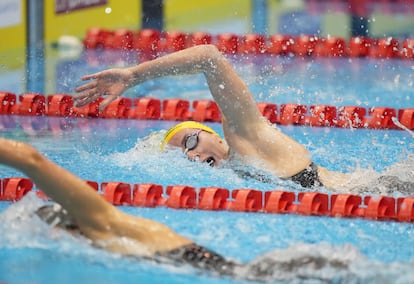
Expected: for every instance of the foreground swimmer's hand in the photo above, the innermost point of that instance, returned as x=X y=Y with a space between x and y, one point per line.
x=111 y=82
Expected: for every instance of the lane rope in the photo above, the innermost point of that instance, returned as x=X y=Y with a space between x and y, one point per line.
x=153 y=41
x=62 y=105
x=382 y=208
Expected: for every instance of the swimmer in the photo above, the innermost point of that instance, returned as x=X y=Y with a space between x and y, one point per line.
x=248 y=136
x=80 y=210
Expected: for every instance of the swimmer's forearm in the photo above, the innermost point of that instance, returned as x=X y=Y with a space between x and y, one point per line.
x=199 y=59
x=224 y=83
x=78 y=198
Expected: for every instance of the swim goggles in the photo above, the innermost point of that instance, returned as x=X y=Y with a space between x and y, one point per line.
x=191 y=142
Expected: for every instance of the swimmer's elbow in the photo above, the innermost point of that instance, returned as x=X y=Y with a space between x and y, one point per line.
x=211 y=56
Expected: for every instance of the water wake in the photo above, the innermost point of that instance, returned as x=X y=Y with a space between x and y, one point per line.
x=324 y=263
x=395 y=180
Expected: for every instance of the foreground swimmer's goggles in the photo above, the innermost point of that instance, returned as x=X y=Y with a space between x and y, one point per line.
x=191 y=142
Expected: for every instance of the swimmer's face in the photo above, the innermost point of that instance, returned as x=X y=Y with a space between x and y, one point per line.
x=200 y=145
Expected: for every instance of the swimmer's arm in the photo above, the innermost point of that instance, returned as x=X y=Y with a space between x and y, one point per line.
x=90 y=210
x=228 y=89
x=97 y=219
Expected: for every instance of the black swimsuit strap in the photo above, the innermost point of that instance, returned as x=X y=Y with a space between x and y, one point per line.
x=200 y=257
x=308 y=177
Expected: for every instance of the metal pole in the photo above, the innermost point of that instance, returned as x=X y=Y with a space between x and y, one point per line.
x=259 y=16
x=152 y=14
x=35 y=47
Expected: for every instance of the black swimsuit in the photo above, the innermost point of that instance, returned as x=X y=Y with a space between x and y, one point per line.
x=308 y=177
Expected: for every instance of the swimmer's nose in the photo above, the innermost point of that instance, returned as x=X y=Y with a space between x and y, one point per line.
x=193 y=156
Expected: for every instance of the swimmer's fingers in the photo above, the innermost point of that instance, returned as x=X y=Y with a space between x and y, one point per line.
x=90 y=76
x=86 y=86
x=86 y=99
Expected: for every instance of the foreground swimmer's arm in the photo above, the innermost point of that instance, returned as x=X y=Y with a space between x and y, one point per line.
x=228 y=89
x=97 y=219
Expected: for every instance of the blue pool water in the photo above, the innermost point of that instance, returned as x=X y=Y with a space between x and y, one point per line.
x=117 y=150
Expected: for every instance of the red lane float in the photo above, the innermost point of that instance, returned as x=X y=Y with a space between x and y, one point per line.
x=173 y=41
x=279 y=202
x=292 y=114
x=147 y=195
x=281 y=44
x=212 y=198
x=7 y=102
x=227 y=43
x=59 y=105
x=312 y=203
x=381 y=207
x=119 y=108
x=117 y=193
x=32 y=104
x=351 y=116
x=253 y=44
x=13 y=189
x=90 y=110
x=147 y=40
x=181 y=196
x=381 y=118
x=359 y=46
x=386 y=48
x=145 y=108
x=97 y=37
x=305 y=45
x=150 y=40
x=406 y=117
x=205 y=110
x=93 y=184
x=405 y=209
x=346 y=205
x=408 y=49
x=334 y=46
x=245 y=200
x=175 y=109
x=123 y=39
x=322 y=115
x=242 y=200
x=199 y=38
x=269 y=111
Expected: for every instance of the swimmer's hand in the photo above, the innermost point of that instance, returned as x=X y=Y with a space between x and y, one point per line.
x=111 y=83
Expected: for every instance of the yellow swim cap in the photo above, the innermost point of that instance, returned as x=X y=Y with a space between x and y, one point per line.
x=183 y=125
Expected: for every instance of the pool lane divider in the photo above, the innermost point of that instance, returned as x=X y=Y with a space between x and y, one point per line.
x=152 y=42
x=383 y=208
x=176 y=109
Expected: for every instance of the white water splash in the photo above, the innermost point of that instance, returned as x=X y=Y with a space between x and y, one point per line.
x=323 y=263
x=400 y=125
